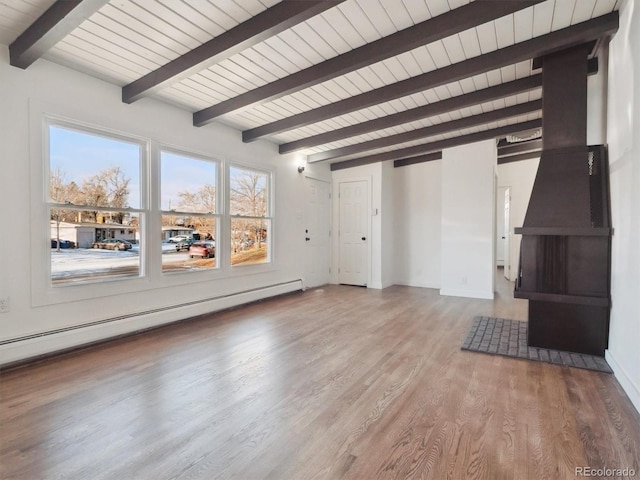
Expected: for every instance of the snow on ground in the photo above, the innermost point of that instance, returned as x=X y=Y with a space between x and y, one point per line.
x=85 y=261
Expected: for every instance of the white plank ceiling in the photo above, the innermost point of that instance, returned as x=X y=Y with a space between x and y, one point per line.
x=127 y=39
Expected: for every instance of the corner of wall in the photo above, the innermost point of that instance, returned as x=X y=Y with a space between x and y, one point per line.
x=624 y=378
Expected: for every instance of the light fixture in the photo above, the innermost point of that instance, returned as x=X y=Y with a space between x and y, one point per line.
x=301 y=162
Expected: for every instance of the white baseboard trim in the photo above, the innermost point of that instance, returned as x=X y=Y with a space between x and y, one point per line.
x=51 y=342
x=434 y=285
x=466 y=293
x=631 y=389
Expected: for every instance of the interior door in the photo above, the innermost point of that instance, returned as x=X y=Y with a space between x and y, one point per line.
x=354 y=233
x=500 y=253
x=507 y=233
x=317 y=233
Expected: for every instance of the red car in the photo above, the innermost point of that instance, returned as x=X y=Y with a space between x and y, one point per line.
x=203 y=248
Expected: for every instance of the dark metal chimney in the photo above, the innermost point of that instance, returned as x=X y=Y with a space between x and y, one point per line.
x=565 y=252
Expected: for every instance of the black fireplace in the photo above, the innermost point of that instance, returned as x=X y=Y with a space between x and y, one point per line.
x=565 y=256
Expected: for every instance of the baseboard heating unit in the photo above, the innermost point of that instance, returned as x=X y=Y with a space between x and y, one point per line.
x=30 y=347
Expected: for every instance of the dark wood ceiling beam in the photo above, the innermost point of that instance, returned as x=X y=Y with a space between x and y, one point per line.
x=519 y=157
x=436 y=28
x=512 y=148
x=57 y=22
x=451 y=104
x=424 y=111
x=420 y=133
x=439 y=145
x=268 y=23
x=575 y=35
x=428 y=157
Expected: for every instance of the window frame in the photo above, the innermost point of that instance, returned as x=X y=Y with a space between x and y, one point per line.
x=270 y=217
x=218 y=215
x=44 y=291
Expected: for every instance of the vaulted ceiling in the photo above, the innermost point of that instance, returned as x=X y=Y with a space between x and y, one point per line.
x=342 y=81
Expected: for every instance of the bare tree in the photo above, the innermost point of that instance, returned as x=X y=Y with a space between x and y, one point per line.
x=248 y=196
x=107 y=188
x=93 y=193
x=62 y=192
x=202 y=201
x=117 y=186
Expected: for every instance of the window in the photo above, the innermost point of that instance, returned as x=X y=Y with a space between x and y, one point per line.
x=250 y=212
x=95 y=205
x=189 y=203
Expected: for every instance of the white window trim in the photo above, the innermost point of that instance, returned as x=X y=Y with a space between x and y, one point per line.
x=43 y=292
x=152 y=278
x=270 y=264
x=157 y=211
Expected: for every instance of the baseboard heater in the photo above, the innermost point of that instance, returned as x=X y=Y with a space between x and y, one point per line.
x=286 y=287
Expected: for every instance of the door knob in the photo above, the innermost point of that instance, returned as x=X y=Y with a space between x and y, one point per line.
x=307 y=238
x=364 y=238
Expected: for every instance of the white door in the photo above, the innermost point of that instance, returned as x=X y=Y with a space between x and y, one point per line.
x=500 y=253
x=354 y=233
x=317 y=233
x=507 y=233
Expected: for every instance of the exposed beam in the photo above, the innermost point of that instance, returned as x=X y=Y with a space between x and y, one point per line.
x=519 y=147
x=419 y=133
x=266 y=24
x=521 y=156
x=536 y=63
x=558 y=40
x=57 y=22
x=439 y=145
x=428 y=157
x=418 y=113
x=455 y=103
x=436 y=28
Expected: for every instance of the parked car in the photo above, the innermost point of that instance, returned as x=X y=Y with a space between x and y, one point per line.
x=247 y=243
x=63 y=243
x=203 y=248
x=183 y=244
x=180 y=238
x=113 y=244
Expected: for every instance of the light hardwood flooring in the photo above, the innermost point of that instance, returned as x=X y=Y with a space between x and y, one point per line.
x=337 y=382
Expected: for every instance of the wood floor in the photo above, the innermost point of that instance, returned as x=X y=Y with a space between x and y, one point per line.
x=337 y=382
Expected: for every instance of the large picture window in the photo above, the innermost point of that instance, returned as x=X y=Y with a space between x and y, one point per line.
x=95 y=205
x=189 y=202
x=99 y=203
x=250 y=211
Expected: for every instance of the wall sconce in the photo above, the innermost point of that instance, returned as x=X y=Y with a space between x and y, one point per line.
x=301 y=162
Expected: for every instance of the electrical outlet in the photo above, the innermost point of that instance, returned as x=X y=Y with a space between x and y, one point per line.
x=4 y=304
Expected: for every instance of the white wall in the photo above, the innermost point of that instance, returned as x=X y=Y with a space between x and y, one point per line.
x=520 y=177
x=623 y=136
x=468 y=215
x=57 y=90
x=417 y=224
x=387 y=275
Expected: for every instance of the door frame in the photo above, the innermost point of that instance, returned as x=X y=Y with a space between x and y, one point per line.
x=499 y=219
x=330 y=225
x=507 y=234
x=335 y=226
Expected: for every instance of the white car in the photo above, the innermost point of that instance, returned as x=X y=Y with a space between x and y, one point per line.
x=180 y=238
